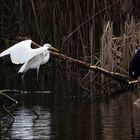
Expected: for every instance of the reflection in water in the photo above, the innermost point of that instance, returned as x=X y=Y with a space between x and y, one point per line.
x=28 y=126
x=63 y=118
x=25 y=125
x=77 y=121
x=109 y=119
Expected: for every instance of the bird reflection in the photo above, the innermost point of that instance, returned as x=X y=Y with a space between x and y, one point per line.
x=26 y=127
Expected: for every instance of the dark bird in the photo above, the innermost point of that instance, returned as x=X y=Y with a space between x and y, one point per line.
x=134 y=68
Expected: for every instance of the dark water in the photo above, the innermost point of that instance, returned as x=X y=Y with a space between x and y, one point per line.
x=110 y=119
x=64 y=118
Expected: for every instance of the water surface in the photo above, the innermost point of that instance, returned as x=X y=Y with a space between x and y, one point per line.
x=62 y=117
x=67 y=119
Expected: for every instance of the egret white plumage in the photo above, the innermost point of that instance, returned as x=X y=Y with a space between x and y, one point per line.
x=22 y=53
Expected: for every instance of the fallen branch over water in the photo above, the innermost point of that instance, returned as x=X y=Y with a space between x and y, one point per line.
x=134 y=82
x=117 y=76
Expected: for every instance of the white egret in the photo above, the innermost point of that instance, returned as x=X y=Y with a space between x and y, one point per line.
x=22 y=53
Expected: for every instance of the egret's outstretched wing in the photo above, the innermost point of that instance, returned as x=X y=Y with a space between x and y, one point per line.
x=19 y=52
x=32 y=63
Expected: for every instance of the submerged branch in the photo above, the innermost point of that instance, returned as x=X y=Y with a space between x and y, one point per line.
x=8 y=112
x=36 y=114
x=3 y=95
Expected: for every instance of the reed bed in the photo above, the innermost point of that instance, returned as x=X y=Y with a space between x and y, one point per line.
x=102 y=33
x=116 y=53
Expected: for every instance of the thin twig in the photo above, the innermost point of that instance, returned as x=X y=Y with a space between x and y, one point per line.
x=10 y=98
x=8 y=112
x=36 y=114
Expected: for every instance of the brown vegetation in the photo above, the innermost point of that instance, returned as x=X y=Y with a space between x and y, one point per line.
x=103 y=33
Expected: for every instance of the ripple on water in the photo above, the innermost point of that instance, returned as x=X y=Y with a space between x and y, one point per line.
x=28 y=126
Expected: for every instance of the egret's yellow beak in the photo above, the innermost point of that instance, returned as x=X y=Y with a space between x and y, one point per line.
x=53 y=49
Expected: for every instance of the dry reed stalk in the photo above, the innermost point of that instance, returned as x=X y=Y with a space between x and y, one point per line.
x=120 y=50
x=106 y=49
x=75 y=27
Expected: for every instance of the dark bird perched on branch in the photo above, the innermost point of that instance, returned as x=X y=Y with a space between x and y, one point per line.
x=134 y=68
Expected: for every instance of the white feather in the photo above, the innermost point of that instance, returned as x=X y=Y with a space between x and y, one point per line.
x=19 y=52
x=22 y=53
x=34 y=61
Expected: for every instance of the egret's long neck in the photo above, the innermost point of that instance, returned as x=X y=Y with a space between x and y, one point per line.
x=35 y=52
x=47 y=56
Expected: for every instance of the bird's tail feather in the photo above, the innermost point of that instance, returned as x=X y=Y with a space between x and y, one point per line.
x=23 y=68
